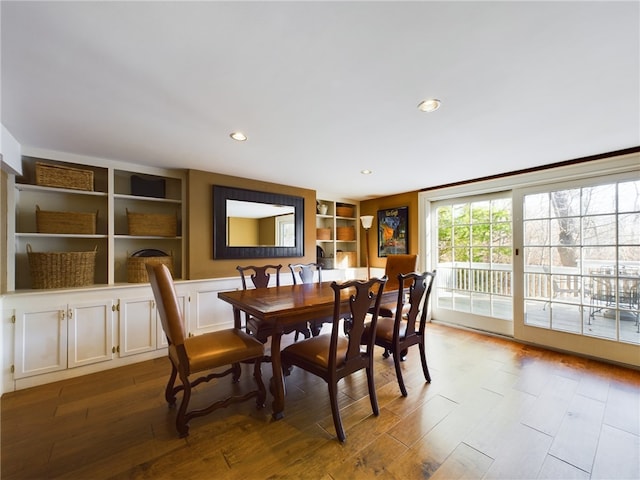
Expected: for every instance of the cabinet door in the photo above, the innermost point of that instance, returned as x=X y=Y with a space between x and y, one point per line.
x=90 y=333
x=41 y=340
x=137 y=326
x=210 y=313
x=183 y=301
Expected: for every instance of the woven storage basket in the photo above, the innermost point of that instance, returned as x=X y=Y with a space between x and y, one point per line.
x=61 y=269
x=66 y=222
x=345 y=233
x=344 y=211
x=345 y=259
x=63 y=177
x=137 y=270
x=152 y=224
x=323 y=234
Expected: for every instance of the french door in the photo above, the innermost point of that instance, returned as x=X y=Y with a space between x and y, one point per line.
x=474 y=250
x=581 y=257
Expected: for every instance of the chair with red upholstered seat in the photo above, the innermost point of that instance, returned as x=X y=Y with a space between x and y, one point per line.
x=201 y=353
x=332 y=356
x=396 y=334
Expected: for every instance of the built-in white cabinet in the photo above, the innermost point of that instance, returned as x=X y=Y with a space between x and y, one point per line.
x=114 y=195
x=51 y=336
x=90 y=329
x=137 y=326
x=337 y=234
x=40 y=339
x=62 y=333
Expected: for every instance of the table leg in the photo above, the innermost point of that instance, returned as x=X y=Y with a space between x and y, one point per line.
x=277 y=382
x=237 y=323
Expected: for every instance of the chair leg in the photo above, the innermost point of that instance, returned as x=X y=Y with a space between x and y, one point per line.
x=316 y=327
x=182 y=422
x=372 y=391
x=169 y=392
x=237 y=371
x=423 y=359
x=337 y=421
x=396 y=363
x=262 y=391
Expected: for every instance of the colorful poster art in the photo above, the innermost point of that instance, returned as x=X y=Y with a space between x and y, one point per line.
x=393 y=237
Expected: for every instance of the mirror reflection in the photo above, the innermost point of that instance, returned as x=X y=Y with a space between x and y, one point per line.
x=252 y=224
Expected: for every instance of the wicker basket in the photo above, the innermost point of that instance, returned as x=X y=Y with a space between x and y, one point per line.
x=61 y=269
x=137 y=270
x=345 y=233
x=345 y=259
x=344 y=211
x=152 y=224
x=66 y=222
x=323 y=234
x=63 y=177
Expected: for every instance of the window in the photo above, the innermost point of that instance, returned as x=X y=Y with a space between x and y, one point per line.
x=582 y=259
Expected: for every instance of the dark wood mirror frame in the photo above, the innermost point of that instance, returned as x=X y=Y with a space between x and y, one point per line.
x=220 y=248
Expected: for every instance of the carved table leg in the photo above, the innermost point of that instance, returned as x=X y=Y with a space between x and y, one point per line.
x=276 y=385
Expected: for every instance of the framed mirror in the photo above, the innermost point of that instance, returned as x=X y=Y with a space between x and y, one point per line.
x=253 y=224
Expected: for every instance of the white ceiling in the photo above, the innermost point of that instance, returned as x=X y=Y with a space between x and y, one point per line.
x=325 y=89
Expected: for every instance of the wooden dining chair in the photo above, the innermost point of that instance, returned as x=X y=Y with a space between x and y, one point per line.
x=332 y=356
x=396 y=334
x=261 y=277
x=201 y=353
x=309 y=273
x=396 y=264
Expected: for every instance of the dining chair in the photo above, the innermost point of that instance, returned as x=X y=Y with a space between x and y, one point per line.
x=309 y=273
x=396 y=264
x=333 y=356
x=260 y=278
x=201 y=353
x=396 y=334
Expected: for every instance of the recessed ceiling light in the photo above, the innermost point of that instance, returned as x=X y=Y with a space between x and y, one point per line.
x=430 y=105
x=239 y=136
x=366 y=172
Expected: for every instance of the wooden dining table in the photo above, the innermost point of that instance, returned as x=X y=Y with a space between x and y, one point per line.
x=281 y=307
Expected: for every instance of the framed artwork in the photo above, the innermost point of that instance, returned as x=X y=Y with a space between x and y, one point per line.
x=393 y=231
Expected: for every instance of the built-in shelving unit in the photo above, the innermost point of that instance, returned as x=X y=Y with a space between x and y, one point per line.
x=110 y=198
x=337 y=233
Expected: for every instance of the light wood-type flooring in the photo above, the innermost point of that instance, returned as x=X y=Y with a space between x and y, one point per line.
x=495 y=409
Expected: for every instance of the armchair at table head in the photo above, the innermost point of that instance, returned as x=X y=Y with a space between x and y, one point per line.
x=201 y=353
x=260 y=277
x=332 y=356
x=396 y=334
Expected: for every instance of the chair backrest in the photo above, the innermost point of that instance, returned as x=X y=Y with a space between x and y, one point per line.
x=419 y=285
x=168 y=307
x=362 y=295
x=397 y=264
x=260 y=276
x=305 y=272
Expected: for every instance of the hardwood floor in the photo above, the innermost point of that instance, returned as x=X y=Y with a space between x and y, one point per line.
x=494 y=409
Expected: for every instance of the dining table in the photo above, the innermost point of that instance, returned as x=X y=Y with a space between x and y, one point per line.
x=281 y=307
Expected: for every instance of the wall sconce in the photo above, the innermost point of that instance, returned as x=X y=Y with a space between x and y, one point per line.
x=367 y=221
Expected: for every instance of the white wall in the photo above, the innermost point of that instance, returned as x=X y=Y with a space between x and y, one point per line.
x=10 y=152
